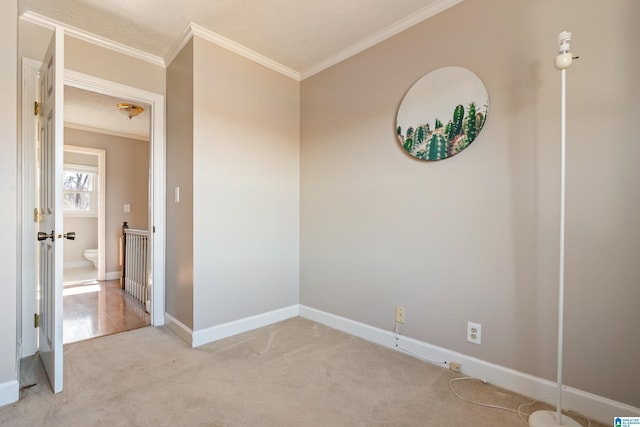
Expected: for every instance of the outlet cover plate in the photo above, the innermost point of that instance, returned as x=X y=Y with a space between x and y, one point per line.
x=474 y=333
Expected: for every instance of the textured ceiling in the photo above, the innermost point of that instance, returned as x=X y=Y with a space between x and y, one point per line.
x=299 y=34
x=93 y=111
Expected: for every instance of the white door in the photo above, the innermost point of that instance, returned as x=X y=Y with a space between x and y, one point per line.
x=50 y=232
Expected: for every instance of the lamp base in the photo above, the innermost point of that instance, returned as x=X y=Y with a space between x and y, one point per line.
x=548 y=419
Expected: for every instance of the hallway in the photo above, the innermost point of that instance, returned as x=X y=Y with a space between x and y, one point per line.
x=97 y=308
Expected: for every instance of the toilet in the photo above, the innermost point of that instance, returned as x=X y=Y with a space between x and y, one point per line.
x=92 y=255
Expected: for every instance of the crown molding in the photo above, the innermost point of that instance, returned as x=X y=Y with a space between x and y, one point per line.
x=196 y=30
x=241 y=50
x=193 y=29
x=178 y=45
x=105 y=131
x=75 y=32
x=388 y=32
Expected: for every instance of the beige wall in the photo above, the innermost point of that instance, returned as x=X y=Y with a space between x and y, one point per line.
x=246 y=187
x=93 y=60
x=110 y=65
x=86 y=229
x=470 y=238
x=127 y=181
x=475 y=237
x=34 y=40
x=8 y=208
x=179 y=229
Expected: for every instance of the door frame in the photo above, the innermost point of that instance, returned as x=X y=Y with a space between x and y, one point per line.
x=102 y=175
x=28 y=338
x=157 y=191
x=157 y=178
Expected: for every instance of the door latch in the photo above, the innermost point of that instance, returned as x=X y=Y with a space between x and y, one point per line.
x=44 y=236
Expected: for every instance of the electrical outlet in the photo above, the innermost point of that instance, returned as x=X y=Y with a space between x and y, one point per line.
x=474 y=333
x=400 y=318
x=455 y=366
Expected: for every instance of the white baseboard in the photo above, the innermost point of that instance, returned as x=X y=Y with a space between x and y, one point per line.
x=225 y=330
x=113 y=275
x=595 y=407
x=215 y=333
x=9 y=392
x=180 y=329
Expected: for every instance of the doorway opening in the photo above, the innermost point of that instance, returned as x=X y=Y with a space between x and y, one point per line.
x=84 y=185
x=94 y=303
x=152 y=210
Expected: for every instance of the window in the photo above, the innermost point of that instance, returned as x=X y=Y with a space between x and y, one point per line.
x=80 y=190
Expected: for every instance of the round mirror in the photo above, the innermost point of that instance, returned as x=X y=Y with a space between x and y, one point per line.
x=442 y=113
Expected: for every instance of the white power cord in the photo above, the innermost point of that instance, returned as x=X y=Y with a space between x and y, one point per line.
x=396 y=330
x=504 y=408
x=405 y=350
x=486 y=405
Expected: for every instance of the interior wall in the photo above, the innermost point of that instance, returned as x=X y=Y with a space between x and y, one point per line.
x=179 y=231
x=9 y=207
x=93 y=60
x=245 y=186
x=34 y=40
x=110 y=65
x=475 y=237
x=86 y=229
x=127 y=181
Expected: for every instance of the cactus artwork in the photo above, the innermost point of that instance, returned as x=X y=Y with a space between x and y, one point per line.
x=444 y=141
x=442 y=113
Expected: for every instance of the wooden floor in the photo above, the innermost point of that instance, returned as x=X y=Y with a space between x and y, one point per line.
x=96 y=308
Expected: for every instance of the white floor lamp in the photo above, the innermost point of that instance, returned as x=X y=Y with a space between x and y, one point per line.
x=549 y=418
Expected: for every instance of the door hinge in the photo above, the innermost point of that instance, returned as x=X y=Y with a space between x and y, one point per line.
x=36 y=108
x=36 y=320
x=37 y=217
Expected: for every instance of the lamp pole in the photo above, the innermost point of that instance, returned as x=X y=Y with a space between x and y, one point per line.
x=548 y=418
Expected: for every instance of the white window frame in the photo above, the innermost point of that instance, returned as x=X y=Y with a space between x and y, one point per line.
x=94 y=199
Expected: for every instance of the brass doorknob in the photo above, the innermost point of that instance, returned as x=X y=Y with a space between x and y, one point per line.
x=44 y=236
x=70 y=235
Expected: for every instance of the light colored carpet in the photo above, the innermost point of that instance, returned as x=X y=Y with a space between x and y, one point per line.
x=294 y=373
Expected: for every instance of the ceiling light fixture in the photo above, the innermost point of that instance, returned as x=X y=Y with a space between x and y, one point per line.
x=129 y=110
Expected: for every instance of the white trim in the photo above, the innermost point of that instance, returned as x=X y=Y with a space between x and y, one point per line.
x=113 y=275
x=388 y=32
x=9 y=392
x=102 y=198
x=86 y=36
x=180 y=329
x=27 y=181
x=351 y=327
x=157 y=164
x=595 y=407
x=215 y=333
x=157 y=210
x=179 y=44
x=105 y=131
x=196 y=30
x=243 y=51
